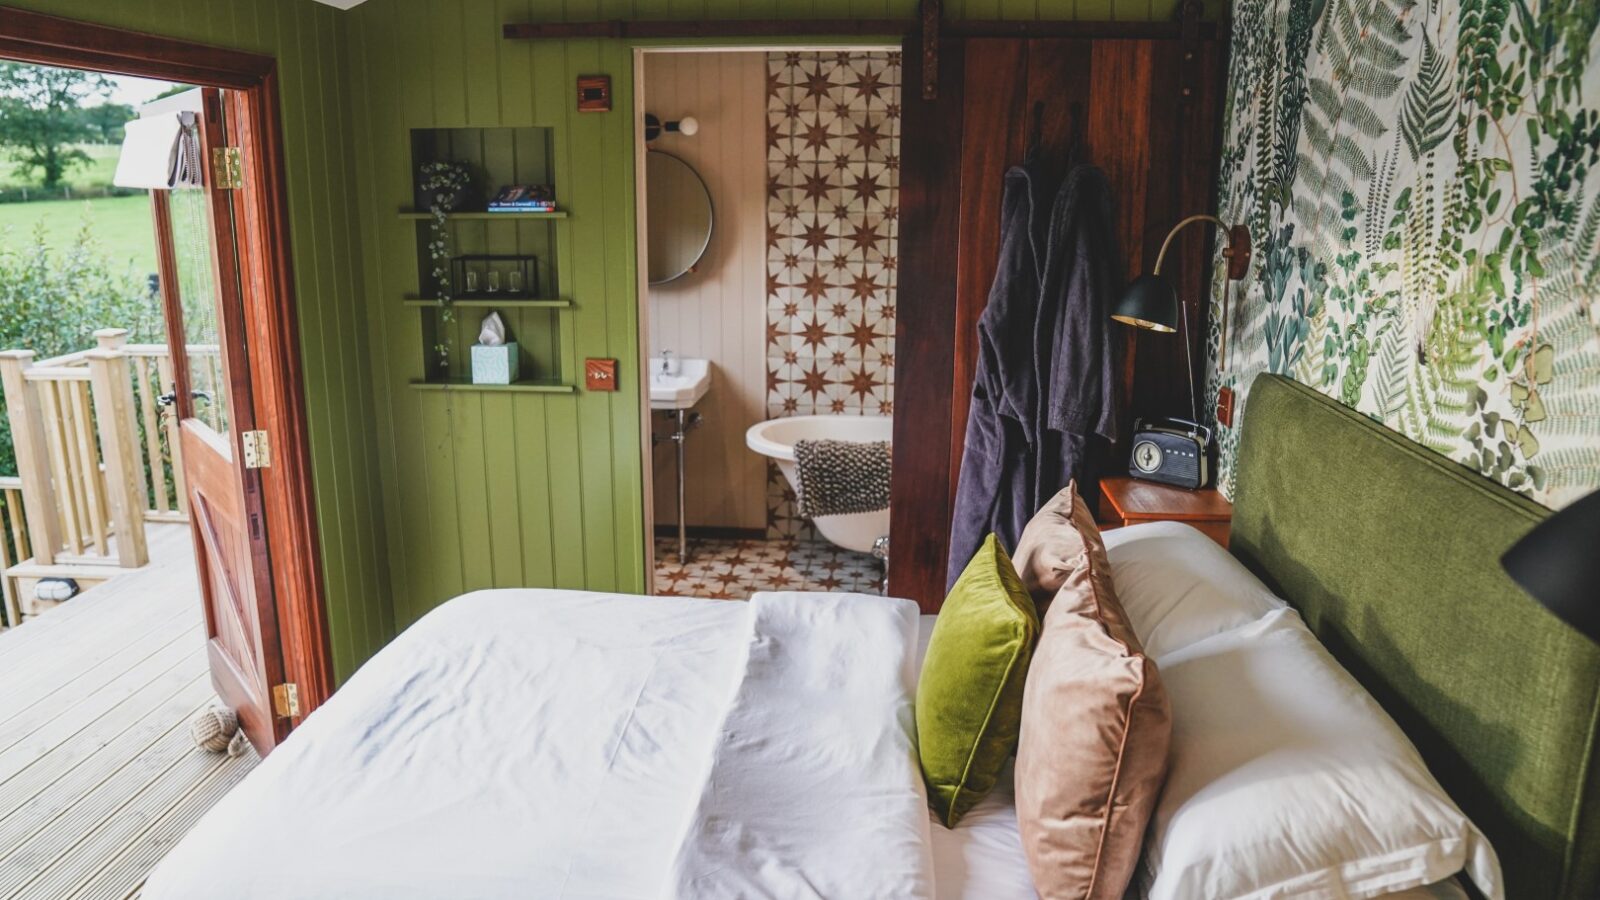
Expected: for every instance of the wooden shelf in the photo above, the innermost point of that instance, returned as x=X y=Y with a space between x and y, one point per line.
x=484 y=215
x=527 y=386
x=487 y=303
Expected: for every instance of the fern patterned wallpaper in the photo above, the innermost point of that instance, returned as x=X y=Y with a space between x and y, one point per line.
x=1419 y=178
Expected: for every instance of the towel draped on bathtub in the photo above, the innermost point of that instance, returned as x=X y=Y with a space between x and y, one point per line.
x=839 y=477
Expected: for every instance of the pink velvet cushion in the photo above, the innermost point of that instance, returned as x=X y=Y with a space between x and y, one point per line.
x=1096 y=726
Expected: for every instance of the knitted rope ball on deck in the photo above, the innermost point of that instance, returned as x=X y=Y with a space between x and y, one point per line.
x=217 y=730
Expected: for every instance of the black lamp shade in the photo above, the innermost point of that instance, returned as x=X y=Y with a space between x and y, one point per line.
x=1558 y=562
x=1150 y=302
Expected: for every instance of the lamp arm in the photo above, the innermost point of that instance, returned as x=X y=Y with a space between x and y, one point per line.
x=1162 y=256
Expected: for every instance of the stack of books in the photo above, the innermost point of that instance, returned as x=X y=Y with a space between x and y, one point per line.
x=524 y=198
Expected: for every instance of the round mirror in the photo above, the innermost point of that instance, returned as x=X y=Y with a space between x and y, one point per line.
x=679 y=209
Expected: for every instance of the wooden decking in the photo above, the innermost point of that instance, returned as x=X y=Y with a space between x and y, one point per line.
x=98 y=775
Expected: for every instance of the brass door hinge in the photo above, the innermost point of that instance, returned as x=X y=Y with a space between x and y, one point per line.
x=227 y=170
x=257 y=450
x=286 y=700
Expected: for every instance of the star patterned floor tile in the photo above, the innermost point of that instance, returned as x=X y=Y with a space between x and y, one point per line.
x=734 y=570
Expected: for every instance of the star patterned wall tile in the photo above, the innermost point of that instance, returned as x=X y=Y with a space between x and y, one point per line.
x=833 y=186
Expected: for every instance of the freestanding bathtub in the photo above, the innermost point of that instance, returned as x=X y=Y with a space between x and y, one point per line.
x=775 y=439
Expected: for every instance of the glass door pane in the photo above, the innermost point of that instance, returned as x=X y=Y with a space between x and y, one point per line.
x=208 y=383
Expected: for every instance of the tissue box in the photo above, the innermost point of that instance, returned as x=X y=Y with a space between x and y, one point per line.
x=495 y=365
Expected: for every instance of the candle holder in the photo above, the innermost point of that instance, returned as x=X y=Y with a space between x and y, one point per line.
x=499 y=275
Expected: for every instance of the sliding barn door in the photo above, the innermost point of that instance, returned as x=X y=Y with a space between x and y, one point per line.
x=1148 y=111
x=211 y=392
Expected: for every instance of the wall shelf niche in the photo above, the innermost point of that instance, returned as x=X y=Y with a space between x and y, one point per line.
x=490 y=303
x=480 y=215
x=496 y=157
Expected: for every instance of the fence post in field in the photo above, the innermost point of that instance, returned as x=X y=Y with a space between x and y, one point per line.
x=112 y=387
x=33 y=455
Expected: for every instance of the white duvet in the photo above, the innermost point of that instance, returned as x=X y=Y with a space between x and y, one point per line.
x=555 y=744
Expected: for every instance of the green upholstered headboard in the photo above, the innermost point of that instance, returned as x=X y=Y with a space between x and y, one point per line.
x=1391 y=553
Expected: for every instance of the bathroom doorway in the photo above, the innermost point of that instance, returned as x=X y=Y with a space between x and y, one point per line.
x=768 y=209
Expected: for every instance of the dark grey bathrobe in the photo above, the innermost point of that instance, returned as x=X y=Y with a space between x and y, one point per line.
x=1043 y=402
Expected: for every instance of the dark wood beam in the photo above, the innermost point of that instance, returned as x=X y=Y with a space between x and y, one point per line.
x=708 y=28
x=889 y=29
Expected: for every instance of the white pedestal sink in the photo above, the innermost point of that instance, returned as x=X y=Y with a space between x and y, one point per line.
x=678 y=383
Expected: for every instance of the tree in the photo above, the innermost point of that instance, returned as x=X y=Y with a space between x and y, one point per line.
x=172 y=90
x=106 y=121
x=39 y=117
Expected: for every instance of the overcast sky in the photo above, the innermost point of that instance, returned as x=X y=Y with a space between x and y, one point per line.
x=134 y=91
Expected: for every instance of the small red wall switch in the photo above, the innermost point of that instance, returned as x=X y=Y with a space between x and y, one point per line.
x=1225 y=406
x=594 y=93
x=600 y=374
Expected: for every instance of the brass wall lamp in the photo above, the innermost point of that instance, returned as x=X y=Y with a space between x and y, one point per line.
x=1151 y=302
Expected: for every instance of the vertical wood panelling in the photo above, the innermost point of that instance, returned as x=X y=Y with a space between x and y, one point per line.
x=1157 y=149
x=930 y=214
x=993 y=141
x=717 y=311
x=306 y=39
x=498 y=489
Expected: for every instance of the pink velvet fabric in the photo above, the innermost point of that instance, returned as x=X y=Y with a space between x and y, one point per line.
x=1096 y=725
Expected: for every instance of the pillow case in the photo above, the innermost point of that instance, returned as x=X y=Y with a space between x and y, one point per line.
x=1179 y=587
x=1288 y=779
x=1095 y=720
x=969 y=694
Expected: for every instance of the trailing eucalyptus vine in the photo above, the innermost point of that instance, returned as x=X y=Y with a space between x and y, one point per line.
x=443 y=183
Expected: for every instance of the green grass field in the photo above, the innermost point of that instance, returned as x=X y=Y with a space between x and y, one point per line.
x=96 y=174
x=121 y=225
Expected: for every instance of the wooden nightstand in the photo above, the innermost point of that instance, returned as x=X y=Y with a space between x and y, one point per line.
x=1129 y=501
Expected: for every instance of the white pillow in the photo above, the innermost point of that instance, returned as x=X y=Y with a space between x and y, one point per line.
x=1287 y=779
x=1179 y=587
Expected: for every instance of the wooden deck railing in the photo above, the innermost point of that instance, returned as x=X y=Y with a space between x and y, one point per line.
x=97 y=454
x=13 y=545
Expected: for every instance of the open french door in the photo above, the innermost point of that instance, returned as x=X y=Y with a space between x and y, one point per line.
x=221 y=452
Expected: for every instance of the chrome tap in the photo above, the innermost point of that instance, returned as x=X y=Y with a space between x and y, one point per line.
x=666 y=362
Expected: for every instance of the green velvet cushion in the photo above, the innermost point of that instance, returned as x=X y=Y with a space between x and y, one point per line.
x=969 y=699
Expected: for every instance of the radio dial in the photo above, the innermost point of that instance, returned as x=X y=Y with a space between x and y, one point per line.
x=1147 y=456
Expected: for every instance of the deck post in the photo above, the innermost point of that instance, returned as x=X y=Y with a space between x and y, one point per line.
x=33 y=455
x=112 y=388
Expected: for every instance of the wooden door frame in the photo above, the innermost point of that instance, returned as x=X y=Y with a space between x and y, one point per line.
x=272 y=331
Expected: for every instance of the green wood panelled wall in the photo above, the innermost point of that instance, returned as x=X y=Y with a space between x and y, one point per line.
x=307 y=40
x=499 y=489
x=503 y=489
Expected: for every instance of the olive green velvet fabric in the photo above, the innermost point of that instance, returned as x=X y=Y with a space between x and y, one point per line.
x=1391 y=553
x=969 y=697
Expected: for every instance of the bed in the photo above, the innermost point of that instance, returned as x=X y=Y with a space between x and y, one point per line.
x=565 y=744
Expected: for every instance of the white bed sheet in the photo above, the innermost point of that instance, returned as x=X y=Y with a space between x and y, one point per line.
x=551 y=744
x=434 y=771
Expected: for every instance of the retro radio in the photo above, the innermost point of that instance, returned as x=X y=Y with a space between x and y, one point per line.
x=1171 y=451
